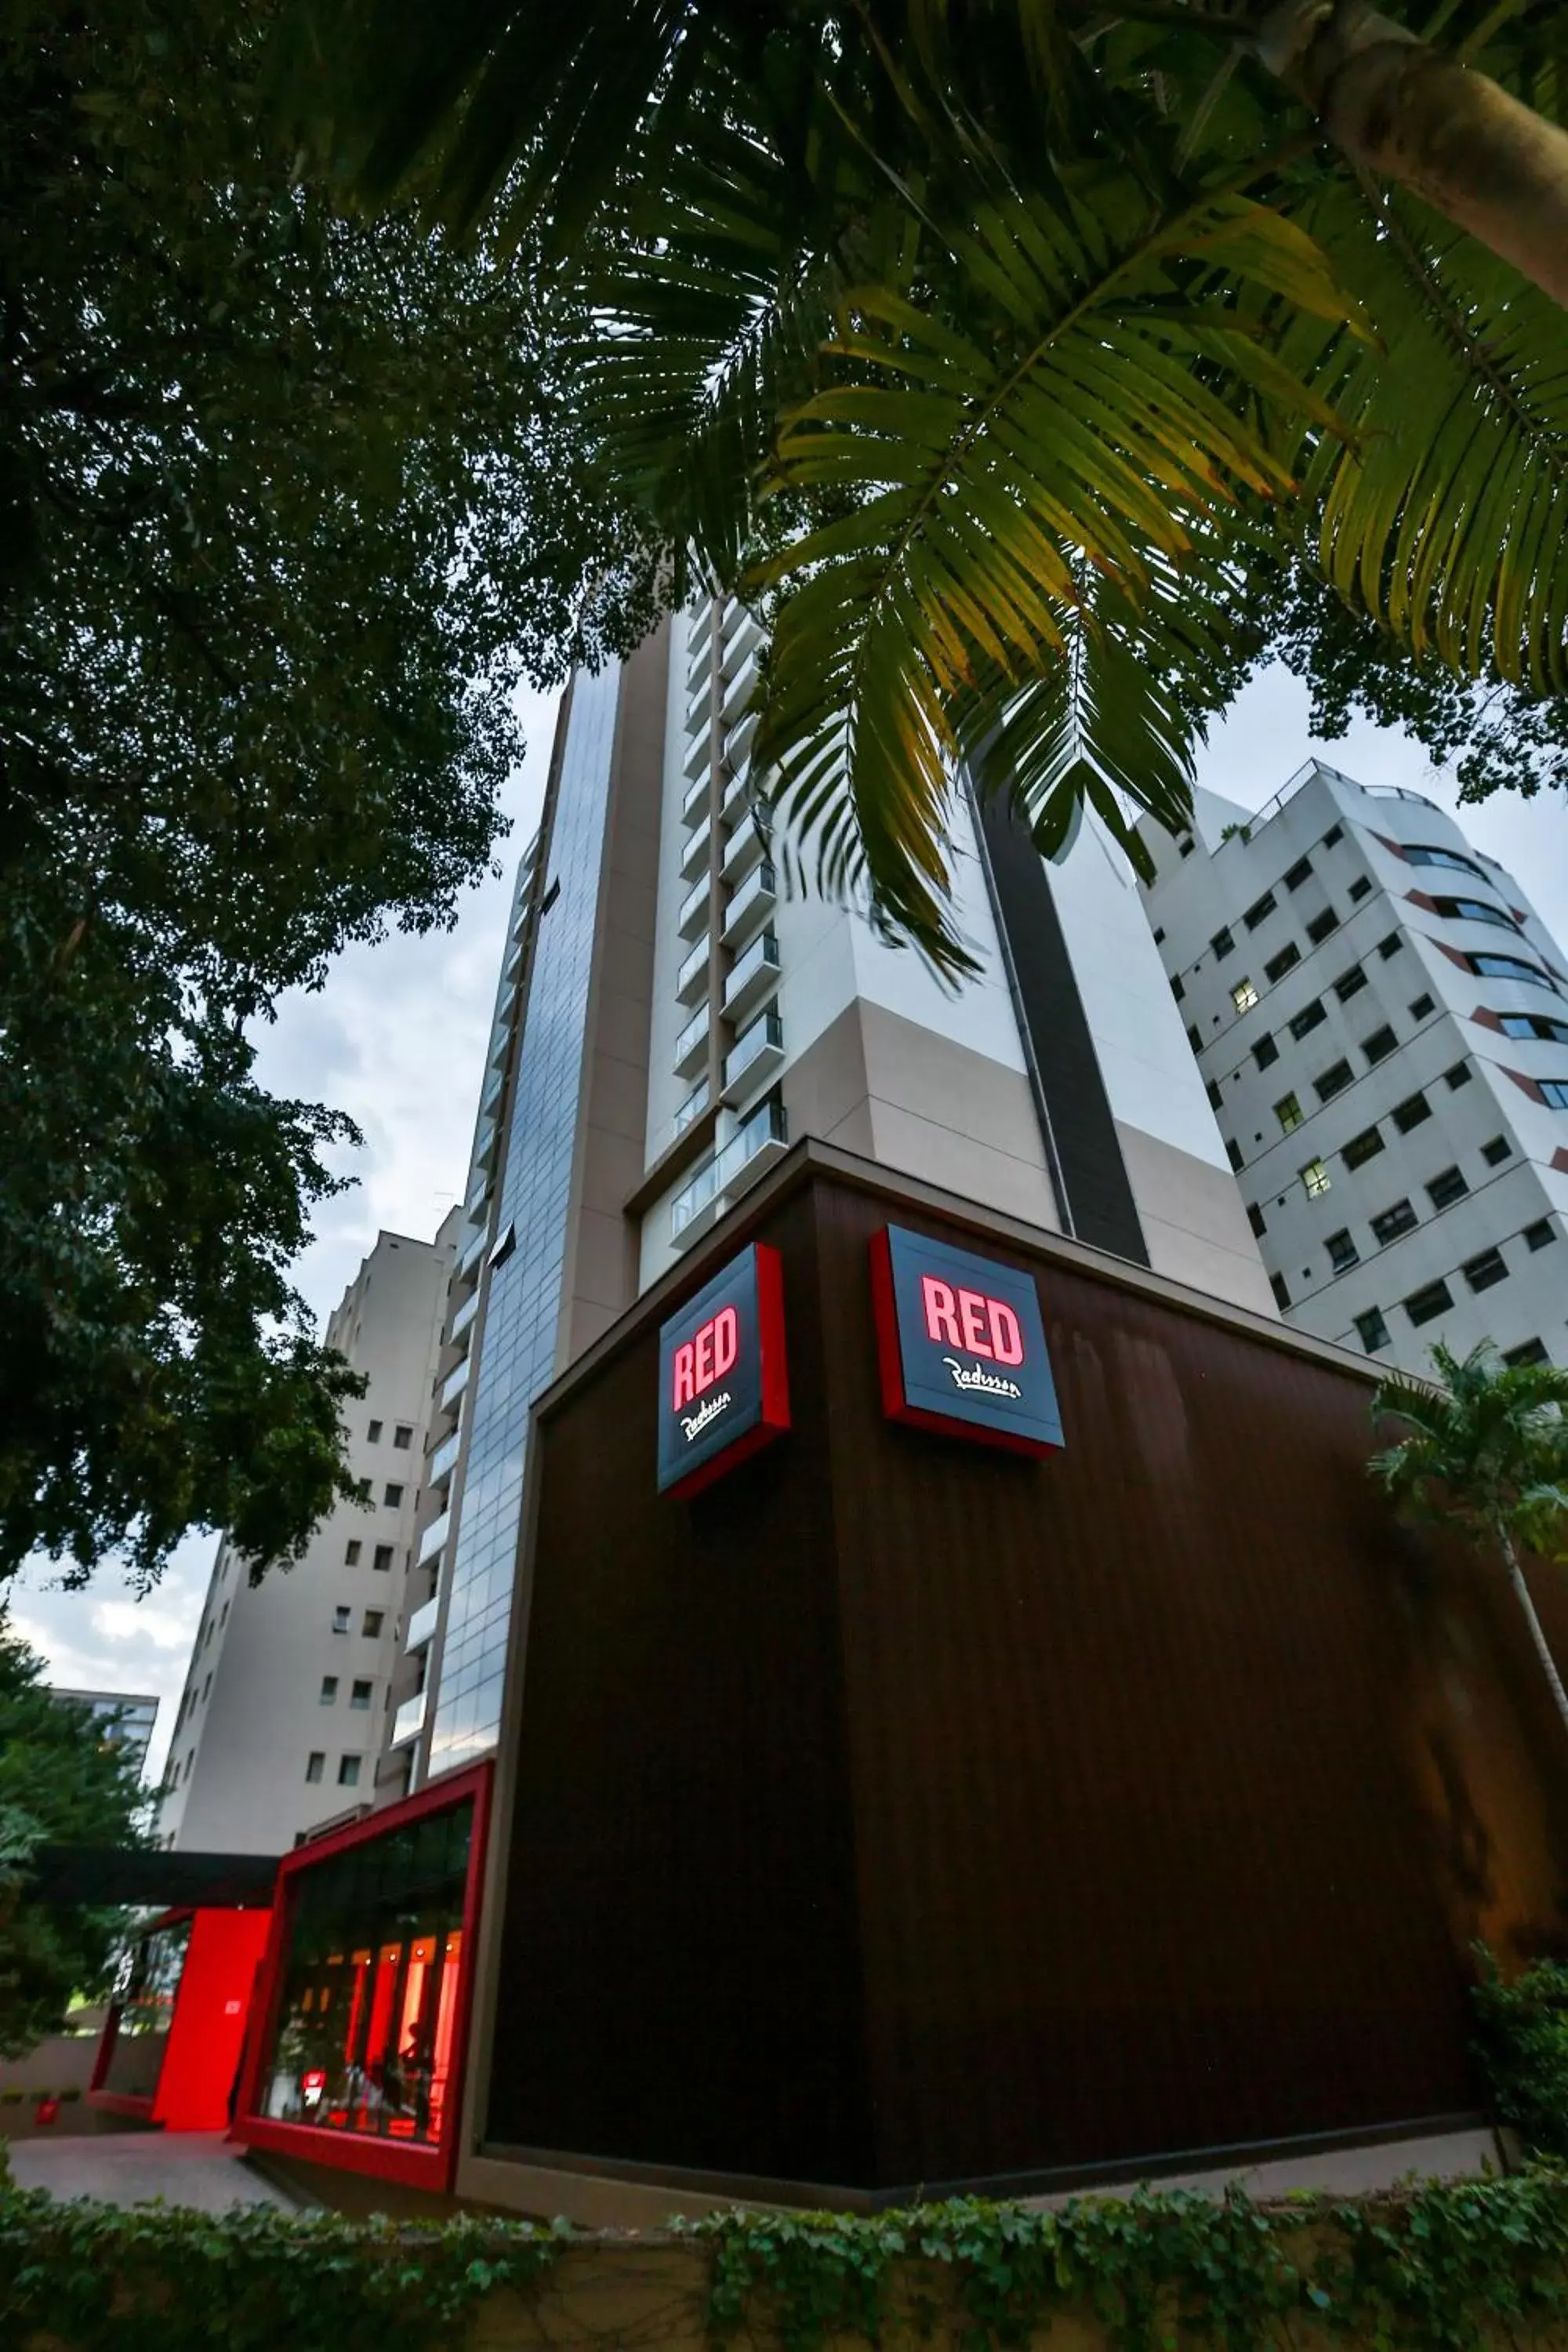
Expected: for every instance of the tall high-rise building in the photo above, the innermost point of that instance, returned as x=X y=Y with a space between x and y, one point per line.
x=287 y=1697
x=127 y=1718
x=1381 y=1019
x=670 y=1018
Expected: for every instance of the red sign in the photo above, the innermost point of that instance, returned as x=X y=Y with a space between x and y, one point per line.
x=723 y=1387
x=961 y=1344
x=47 y=2111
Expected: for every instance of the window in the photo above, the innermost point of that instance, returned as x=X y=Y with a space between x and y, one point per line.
x=1447 y=1187
x=1216 y=1101
x=1359 y=889
x=205 y=1687
x=1282 y=1293
x=1371 y=1330
x=348 y=1771
x=1349 y=982
x=359 y=1695
x=1159 y=936
x=1390 y=1224
x=1289 y=1113
x=1297 y=874
x=1195 y=1037
x=1254 y=1219
x=1554 y=1093
x=1307 y=1020
x=1506 y=967
x=1484 y=1273
x=1422 y=853
x=1278 y=966
x=1232 y=1153
x=315 y=1763
x=1474 y=910
x=329 y=1692
x=374 y=1621
x=1315 y=1180
x=1420 y=1009
x=1362 y=1148
x=1459 y=1075
x=1390 y=946
x=1425 y=1306
x=403 y=1436
x=1321 y=926
x=383 y=1558
x=1411 y=1112
x=1379 y=1045
x=1265 y=1052
x=1185 y=848
x=1529 y=1351
x=1334 y=835
x=1333 y=1081
x=1178 y=988
x=374 y=1432
x=354 y=1550
x=1223 y=940
x=1260 y=911
x=363 y=1490
x=393 y=1496
x=1244 y=996
x=1495 y=1153
x=1539 y=1236
x=1535 y=1025
x=1342 y=1252
x=340 y=1621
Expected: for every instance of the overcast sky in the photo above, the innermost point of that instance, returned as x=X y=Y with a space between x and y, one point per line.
x=397 y=1039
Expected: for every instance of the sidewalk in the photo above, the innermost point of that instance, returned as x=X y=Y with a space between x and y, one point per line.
x=201 y=2170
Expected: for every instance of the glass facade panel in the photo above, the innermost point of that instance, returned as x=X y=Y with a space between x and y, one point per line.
x=146 y=2000
x=363 y=2039
x=517 y=1349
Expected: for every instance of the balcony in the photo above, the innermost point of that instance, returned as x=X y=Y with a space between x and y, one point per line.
x=754 y=976
x=491 y=1095
x=752 y=1147
x=746 y=844
x=694 y=856
x=691 y=1045
x=694 y=907
x=751 y=905
x=443 y=1461
x=456 y=1382
x=465 y=1316
x=473 y=1251
x=738 y=687
x=421 y=1628
x=694 y=799
x=737 y=794
x=485 y=1144
x=434 y=1536
x=698 y=765
x=702 y=629
x=743 y=635
x=478 y=1197
x=753 y=1057
x=691 y=980
x=694 y=1106
x=408 y=1722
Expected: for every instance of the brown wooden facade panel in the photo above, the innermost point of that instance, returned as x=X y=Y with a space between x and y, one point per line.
x=900 y=1811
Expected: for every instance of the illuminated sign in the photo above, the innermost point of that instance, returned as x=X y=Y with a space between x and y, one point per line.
x=961 y=1344
x=723 y=1387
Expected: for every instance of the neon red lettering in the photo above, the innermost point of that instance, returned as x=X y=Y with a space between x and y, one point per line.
x=972 y=1316
x=1006 y=1338
x=703 y=1344
x=685 y=1387
x=940 y=1310
x=726 y=1340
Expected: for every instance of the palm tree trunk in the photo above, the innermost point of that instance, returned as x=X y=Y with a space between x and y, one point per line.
x=1521 y=1594
x=1408 y=113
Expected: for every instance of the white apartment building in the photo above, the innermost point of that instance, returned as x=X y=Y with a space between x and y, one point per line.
x=129 y=1717
x=1381 y=1020
x=670 y=1018
x=286 y=1705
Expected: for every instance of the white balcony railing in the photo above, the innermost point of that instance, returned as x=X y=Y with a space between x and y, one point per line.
x=434 y=1536
x=763 y=1132
x=409 y=1721
x=422 y=1626
x=444 y=1459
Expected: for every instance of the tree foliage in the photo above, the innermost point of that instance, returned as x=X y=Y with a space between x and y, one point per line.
x=1038 y=369
x=288 y=505
x=62 y=1782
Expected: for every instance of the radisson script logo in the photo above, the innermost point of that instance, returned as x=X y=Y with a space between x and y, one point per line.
x=976 y=1376
x=694 y=1424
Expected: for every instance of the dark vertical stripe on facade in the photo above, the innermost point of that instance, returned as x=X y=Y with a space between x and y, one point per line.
x=1075 y=1110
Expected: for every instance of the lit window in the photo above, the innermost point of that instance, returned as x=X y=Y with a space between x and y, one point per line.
x=1425 y=1306
x=1244 y=996
x=315 y=1764
x=348 y=1772
x=1289 y=1113
x=1315 y=1180
x=329 y=1690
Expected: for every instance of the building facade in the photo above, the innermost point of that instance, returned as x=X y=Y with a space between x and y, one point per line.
x=288 y=1696
x=1381 y=1020
x=670 y=1018
x=128 y=1717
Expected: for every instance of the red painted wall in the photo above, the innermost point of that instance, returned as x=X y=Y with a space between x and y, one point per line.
x=211 y=2008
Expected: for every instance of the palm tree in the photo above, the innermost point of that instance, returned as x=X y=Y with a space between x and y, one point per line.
x=1486 y=1449
x=1024 y=360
